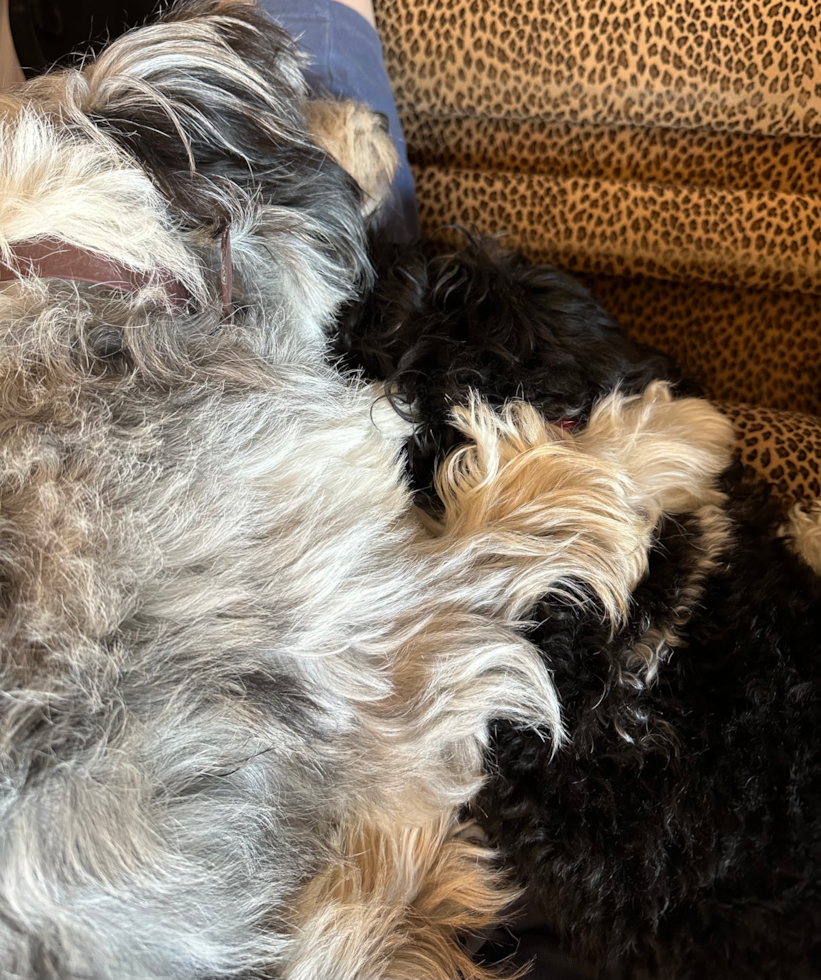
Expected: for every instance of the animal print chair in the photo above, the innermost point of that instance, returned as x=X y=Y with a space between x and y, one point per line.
x=668 y=152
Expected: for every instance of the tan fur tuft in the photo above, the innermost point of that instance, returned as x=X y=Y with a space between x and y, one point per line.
x=392 y=903
x=355 y=137
x=802 y=532
x=672 y=449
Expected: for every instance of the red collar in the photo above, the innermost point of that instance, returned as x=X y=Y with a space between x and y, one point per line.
x=53 y=258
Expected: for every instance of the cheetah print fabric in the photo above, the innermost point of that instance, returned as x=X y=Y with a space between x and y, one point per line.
x=668 y=152
x=783 y=448
x=734 y=66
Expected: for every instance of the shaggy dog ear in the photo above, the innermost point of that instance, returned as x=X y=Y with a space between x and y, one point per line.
x=213 y=95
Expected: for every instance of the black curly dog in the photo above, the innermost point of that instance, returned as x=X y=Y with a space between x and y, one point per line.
x=677 y=833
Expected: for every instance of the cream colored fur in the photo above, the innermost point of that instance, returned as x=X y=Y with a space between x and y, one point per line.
x=803 y=532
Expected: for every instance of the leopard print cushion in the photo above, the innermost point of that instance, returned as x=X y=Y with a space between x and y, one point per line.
x=783 y=448
x=664 y=151
x=732 y=66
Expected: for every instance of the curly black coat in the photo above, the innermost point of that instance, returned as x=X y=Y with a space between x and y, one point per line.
x=677 y=834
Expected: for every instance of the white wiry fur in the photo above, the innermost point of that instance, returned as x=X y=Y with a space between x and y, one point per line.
x=49 y=180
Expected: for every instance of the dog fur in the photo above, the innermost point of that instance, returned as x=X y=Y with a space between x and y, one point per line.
x=359 y=141
x=482 y=318
x=676 y=832
x=246 y=692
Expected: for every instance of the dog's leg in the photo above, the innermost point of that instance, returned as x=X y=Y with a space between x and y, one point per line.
x=391 y=903
x=399 y=884
x=547 y=513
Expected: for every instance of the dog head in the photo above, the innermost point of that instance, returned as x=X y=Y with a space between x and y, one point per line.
x=438 y=326
x=178 y=132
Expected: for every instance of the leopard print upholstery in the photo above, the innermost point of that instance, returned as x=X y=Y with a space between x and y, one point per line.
x=730 y=66
x=666 y=151
x=674 y=232
x=783 y=448
x=777 y=362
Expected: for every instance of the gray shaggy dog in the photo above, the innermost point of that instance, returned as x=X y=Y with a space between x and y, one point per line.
x=244 y=690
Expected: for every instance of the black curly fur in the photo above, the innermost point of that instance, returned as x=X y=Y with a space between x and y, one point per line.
x=490 y=320
x=678 y=833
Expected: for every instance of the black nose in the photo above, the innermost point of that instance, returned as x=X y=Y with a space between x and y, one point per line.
x=384 y=122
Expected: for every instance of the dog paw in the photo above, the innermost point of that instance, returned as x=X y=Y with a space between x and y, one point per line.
x=359 y=141
x=540 y=515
